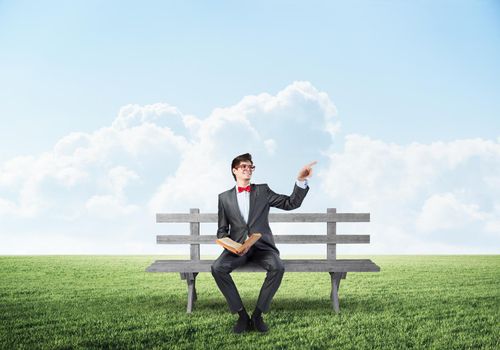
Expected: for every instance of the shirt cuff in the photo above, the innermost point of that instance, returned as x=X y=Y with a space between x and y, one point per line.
x=302 y=184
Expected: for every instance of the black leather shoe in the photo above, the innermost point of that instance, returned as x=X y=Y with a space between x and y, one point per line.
x=243 y=324
x=258 y=324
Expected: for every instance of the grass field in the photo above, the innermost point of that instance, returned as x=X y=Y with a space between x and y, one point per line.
x=63 y=302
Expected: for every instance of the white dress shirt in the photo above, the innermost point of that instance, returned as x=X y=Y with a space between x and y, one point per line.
x=244 y=199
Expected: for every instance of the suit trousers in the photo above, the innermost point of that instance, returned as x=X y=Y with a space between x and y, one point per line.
x=227 y=262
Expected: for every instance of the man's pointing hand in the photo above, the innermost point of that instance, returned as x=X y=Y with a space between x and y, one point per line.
x=306 y=171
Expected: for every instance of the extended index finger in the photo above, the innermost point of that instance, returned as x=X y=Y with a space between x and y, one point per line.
x=312 y=163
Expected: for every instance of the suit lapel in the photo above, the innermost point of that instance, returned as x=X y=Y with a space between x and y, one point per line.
x=233 y=203
x=251 y=209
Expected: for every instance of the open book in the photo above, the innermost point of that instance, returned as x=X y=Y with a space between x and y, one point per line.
x=236 y=247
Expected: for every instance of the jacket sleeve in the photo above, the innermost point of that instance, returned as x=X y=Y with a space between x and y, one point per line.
x=223 y=225
x=285 y=202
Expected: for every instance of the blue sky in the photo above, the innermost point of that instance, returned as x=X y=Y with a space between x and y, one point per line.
x=392 y=66
x=398 y=72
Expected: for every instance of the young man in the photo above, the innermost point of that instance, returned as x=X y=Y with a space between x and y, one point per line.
x=243 y=210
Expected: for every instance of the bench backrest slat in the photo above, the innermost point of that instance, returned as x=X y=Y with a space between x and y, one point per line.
x=273 y=217
x=279 y=239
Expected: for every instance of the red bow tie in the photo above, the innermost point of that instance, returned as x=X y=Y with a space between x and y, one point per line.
x=241 y=189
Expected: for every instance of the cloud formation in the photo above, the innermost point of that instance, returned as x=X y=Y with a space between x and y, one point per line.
x=155 y=158
x=438 y=197
x=98 y=192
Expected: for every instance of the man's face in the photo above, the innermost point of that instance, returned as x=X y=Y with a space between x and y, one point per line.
x=243 y=171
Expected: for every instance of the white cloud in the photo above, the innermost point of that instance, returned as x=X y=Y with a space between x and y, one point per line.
x=136 y=115
x=114 y=204
x=119 y=177
x=265 y=125
x=84 y=161
x=155 y=158
x=424 y=198
x=108 y=206
x=105 y=186
x=270 y=146
x=445 y=211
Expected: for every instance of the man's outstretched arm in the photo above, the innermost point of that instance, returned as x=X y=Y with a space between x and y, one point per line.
x=223 y=226
x=300 y=190
x=285 y=202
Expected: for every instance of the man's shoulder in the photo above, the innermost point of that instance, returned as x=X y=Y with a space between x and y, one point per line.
x=226 y=192
x=260 y=185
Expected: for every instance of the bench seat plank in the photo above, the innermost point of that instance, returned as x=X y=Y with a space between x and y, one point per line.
x=302 y=265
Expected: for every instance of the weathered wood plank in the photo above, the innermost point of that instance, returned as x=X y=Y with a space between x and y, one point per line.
x=331 y=232
x=319 y=217
x=278 y=239
x=273 y=217
x=315 y=265
x=335 y=276
x=191 y=278
x=195 y=232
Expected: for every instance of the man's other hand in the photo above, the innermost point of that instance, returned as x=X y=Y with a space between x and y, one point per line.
x=244 y=251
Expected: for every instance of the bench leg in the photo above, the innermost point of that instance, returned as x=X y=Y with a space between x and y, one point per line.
x=190 y=278
x=336 y=277
x=195 y=295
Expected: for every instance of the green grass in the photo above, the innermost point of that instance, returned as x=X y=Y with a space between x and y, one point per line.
x=62 y=302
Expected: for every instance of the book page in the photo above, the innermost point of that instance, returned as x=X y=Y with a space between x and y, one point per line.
x=228 y=241
x=254 y=237
x=236 y=247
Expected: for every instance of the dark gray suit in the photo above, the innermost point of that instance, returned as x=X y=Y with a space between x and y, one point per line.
x=264 y=251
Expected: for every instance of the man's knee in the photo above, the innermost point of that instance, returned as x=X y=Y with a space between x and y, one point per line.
x=277 y=267
x=218 y=269
x=214 y=269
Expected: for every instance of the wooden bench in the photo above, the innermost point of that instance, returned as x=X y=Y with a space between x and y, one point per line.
x=338 y=269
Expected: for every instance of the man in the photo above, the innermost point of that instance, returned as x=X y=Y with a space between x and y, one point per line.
x=243 y=210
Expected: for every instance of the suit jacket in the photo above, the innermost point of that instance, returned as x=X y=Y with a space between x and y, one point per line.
x=232 y=224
